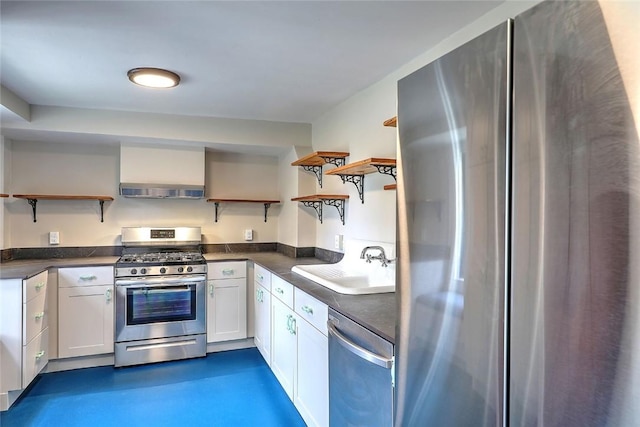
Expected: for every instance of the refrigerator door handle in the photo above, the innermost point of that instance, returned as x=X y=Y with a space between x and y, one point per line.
x=357 y=350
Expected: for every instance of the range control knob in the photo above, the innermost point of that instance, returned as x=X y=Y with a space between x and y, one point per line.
x=143 y=271
x=163 y=270
x=180 y=269
x=189 y=269
x=134 y=271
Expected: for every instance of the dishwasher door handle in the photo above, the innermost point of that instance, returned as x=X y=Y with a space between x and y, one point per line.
x=357 y=350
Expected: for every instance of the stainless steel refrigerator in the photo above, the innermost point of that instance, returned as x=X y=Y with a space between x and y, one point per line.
x=519 y=225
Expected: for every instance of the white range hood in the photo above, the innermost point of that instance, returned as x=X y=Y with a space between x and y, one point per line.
x=160 y=172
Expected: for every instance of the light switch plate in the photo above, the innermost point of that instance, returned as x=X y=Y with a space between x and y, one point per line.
x=248 y=234
x=54 y=237
x=337 y=243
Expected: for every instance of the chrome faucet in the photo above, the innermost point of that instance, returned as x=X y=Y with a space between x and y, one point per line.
x=381 y=256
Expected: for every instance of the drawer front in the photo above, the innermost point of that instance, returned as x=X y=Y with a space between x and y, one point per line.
x=85 y=276
x=312 y=310
x=35 y=356
x=34 y=317
x=226 y=270
x=282 y=290
x=35 y=286
x=262 y=276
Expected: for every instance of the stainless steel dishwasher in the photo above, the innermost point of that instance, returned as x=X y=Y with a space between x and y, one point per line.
x=360 y=375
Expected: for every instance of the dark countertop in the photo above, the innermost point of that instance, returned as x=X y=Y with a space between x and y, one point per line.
x=376 y=312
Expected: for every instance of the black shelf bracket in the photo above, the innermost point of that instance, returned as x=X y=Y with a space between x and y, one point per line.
x=387 y=170
x=101 y=210
x=358 y=181
x=317 y=170
x=337 y=161
x=33 y=203
x=338 y=204
x=216 y=204
x=315 y=205
x=266 y=208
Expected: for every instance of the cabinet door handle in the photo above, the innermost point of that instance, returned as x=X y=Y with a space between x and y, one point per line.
x=289 y=319
x=307 y=309
x=39 y=315
x=293 y=326
x=39 y=354
x=259 y=295
x=108 y=294
x=86 y=278
x=40 y=286
x=280 y=291
x=228 y=272
x=211 y=287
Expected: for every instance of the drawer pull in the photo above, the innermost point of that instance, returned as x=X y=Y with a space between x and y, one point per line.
x=307 y=309
x=108 y=294
x=280 y=291
x=39 y=354
x=260 y=276
x=228 y=272
x=39 y=315
x=87 y=278
x=40 y=286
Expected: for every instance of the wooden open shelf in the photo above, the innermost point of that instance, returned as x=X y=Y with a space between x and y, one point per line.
x=314 y=161
x=363 y=167
x=32 y=199
x=392 y=122
x=391 y=187
x=267 y=204
x=316 y=201
x=2 y=195
x=319 y=158
x=355 y=172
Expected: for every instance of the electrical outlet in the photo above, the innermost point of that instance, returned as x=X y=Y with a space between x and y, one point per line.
x=337 y=242
x=248 y=234
x=54 y=237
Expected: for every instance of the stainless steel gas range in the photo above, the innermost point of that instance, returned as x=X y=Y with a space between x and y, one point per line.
x=160 y=296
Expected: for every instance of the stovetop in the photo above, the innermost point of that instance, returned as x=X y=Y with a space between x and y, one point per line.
x=162 y=258
x=160 y=263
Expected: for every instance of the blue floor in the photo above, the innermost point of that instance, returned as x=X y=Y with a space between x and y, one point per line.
x=232 y=388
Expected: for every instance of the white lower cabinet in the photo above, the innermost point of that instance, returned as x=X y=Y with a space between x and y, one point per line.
x=262 y=311
x=283 y=344
x=85 y=311
x=311 y=395
x=24 y=334
x=299 y=350
x=226 y=301
x=262 y=329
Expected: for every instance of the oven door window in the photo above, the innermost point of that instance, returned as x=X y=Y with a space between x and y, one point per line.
x=161 y=304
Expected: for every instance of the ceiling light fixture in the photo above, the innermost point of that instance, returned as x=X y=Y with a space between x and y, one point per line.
x=153 y=77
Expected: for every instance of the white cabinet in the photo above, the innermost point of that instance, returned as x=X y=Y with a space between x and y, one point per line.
x=299 y=350
x=24 y=333
x=262 y=310
x=86 y=311
x=311 y=391
x=226 y=301
x=283 y=340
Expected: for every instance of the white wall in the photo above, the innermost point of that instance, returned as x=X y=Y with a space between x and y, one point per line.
x=80 y=169
x=356 y=126
x=4 y=188
x=296 y=224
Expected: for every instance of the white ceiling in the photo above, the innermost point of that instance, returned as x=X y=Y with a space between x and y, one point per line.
x=270 y=60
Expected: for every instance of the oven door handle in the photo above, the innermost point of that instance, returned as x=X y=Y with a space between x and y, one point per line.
x=160 y=281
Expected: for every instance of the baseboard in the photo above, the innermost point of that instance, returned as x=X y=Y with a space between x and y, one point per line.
x=58 y=365
x=230 y=345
